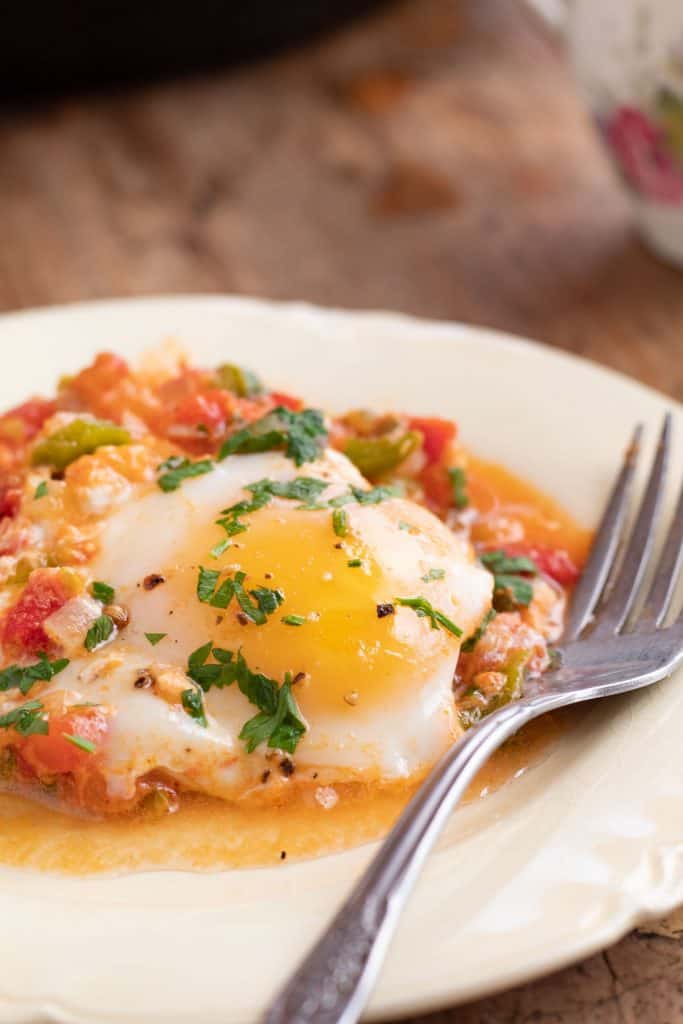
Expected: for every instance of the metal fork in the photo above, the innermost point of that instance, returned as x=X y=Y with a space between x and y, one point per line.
x=605 y=650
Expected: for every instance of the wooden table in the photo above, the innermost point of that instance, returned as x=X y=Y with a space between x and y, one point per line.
x=433 y=159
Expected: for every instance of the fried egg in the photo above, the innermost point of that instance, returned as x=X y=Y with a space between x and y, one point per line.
x=372 y=678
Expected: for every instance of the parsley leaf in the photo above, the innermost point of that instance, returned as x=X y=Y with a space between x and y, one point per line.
x=81 y=742
x=221 y=674
x=28 y=719
x=472 y=641
x=103 y=592
x=193 y=702
x=499 y=562
x=354 y=563
x=40 y=491
x=301 y=434
x=155 y=638
x=302 y=488
x=278 y=722
x=267 y=600
x=206 y=583
x=510 y=590
x=256 y=604
x=373 y=496
x=458 y=479
x=178 y=468
x=22 y=677
x=281 y=728
x=98 y=634
x=422 y=607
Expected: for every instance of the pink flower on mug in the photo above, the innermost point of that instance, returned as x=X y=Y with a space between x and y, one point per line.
x=646 y=162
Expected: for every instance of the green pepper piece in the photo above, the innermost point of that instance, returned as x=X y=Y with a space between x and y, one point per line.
x=515 y=673
x=241 y=382
x=375 y=456
x=80 y=437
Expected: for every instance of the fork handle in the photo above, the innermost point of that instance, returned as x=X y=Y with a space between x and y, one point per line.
x=333 y=983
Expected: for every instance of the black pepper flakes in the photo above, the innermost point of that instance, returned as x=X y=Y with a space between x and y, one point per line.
x=143 y=681
x=298 y=678
x=153 y=580
x=242 y=619
x=265 y=776
x=385 y=609
x=283 y=854
x=287 y=767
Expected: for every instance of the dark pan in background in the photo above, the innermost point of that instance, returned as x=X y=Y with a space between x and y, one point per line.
x=49 y=45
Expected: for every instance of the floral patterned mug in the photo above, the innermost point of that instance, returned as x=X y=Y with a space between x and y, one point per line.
x=628 y=56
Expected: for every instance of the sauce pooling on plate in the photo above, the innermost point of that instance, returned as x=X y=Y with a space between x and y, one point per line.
x=233 y=628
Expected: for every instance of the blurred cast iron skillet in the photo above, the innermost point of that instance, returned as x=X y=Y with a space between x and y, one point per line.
x=50 y=45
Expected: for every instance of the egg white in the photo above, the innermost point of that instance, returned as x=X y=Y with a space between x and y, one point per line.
x=377 y=741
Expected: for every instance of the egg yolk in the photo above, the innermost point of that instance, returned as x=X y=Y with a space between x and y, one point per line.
x=350 y=655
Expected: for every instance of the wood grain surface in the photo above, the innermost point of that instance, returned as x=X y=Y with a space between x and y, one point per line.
x=432 y=159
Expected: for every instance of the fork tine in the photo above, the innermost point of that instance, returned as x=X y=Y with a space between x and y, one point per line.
x=666 y=574
x=630 y=573
x=605 y=544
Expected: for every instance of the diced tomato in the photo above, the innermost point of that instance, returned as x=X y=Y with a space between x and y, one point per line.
x=289 y=401
x=210 y=408
x=10 y=500
x=554 y=562
x=437 y=434
x=22 y=423
x=53 y=754
x=44 y=593
x=216 y=408
x=104 y=374
x=437 y=486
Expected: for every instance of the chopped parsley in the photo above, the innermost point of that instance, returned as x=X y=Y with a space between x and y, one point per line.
x=22 y=677
x=301 y=435
x=98 y=634
x=218 y=674
x=268 y=600
x=256 y=604
x=339 y=522
x=178 y=468
x=371 y=497
x=403 y=525
x=155 y=638
x=28 y=719
x=294 y=620
x=354 y=563
x=422 y=607
x=433 y=574
x=278 y=723
x=81 y=742
x=40 y=491
x=103 y=592
x=302 y=488
x=305 y=489
x=458 y=479
x=193 y=702
x=472 y=641
x=510 y=589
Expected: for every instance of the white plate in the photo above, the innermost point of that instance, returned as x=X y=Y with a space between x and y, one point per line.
x=557 y=864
